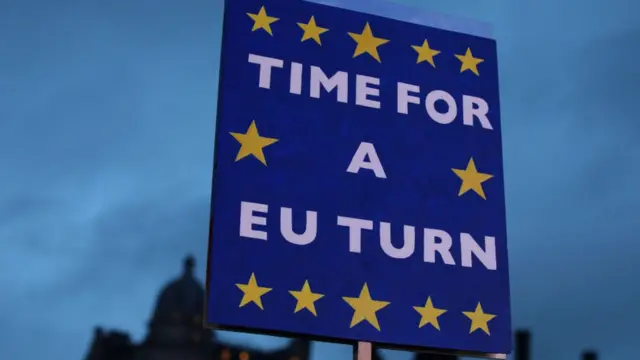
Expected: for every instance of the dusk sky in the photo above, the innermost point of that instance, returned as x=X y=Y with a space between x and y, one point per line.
x=107 y=113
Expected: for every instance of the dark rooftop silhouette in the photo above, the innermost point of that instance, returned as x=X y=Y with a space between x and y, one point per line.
x=175 y=331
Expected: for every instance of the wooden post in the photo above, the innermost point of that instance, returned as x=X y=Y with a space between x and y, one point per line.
x=362 y=350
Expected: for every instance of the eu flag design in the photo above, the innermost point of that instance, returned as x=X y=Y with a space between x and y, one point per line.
x=358 y=189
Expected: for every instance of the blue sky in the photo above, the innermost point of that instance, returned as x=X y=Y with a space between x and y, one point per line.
x=106 y=123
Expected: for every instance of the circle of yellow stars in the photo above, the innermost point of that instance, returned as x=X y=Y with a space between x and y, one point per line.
x=366 y=41
x=365 y=307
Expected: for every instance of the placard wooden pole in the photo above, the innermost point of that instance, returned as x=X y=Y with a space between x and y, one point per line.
x=363 y=350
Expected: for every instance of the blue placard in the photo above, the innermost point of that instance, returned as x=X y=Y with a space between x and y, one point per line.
x=358 y=186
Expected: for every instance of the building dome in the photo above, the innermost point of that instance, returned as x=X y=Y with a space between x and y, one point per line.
x=176 y=331
x=182 y=298
x=177 y=317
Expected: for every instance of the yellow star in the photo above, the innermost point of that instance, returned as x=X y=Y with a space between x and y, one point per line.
x=365 y=308
x=429 y=314
x=469 y=62
x=479 y=319
x=252 y=292
x=472 y=179
x=262 y=21
x=306 y=298
x=367 y=43
x=312 y=31
x=425 y=53
x=252 y=143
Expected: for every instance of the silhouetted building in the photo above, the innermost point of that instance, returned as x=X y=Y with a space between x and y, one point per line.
x=427 y=356
x=175 y=332
x=523 y=345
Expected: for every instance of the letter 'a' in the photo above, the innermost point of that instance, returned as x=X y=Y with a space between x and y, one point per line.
x=359 y=161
